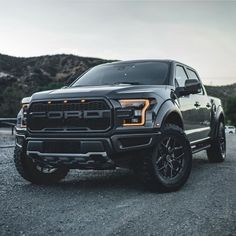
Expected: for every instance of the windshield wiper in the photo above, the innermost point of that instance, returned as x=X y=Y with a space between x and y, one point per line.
x=127 y=83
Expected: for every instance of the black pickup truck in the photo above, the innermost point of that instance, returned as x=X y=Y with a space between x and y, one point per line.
x=147 y=115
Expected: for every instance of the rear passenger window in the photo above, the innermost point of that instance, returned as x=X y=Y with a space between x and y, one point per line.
x=180 y=76
x=193 y=75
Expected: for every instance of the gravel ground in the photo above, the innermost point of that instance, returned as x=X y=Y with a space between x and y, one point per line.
x=114 y=203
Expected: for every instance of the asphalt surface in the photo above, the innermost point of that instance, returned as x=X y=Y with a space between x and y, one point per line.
x=114 y=203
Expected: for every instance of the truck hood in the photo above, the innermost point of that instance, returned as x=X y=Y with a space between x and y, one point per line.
x=112 y=92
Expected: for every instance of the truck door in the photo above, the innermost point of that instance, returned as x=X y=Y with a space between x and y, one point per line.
x=203 y=109
x=186 y=104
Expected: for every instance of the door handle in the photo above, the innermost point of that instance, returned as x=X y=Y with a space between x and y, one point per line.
x=197 y=104
x=208 y=105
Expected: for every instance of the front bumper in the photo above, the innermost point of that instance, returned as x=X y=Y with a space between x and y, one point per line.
x=86 y=152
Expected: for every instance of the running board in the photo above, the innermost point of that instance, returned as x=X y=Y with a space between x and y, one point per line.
x=200 y=145
x=199 y=148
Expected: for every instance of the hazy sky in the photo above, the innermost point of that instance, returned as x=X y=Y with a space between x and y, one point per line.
x=201 y=34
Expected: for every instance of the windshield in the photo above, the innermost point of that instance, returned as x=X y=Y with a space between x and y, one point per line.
x=138 y=73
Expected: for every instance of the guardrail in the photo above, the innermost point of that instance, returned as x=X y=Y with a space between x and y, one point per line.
x=7 y=146
x=8 y=122
x=11 y=122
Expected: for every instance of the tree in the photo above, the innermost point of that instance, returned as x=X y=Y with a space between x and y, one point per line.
x=231 y=110
x=11 y=105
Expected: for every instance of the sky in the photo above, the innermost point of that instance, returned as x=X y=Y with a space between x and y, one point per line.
x=201 y=34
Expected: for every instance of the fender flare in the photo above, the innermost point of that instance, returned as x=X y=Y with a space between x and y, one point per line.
x=216 y=117
x=166 y=109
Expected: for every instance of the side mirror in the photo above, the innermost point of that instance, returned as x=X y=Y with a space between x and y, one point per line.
x=192 y=86
x=64 y=87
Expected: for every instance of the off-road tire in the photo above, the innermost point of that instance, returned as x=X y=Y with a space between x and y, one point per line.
x=149 y=173
x=27 y=169
x=217 y=151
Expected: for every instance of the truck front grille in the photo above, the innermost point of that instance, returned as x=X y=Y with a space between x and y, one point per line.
x=69 y=115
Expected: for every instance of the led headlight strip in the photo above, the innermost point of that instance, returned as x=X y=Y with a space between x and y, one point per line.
x=139 y=106
x=24 y=113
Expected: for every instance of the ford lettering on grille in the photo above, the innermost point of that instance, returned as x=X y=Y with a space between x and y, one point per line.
x=94 y=115
x=69 y=114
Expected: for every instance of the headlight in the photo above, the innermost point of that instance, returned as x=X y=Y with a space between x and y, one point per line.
x=21 y=117
x=138 y=107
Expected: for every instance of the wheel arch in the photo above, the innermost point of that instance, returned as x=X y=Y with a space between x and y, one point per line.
x=169 y=113
x=173 y=117
x=219 y=117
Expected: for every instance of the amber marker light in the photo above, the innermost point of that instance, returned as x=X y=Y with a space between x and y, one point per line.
x=139 y=106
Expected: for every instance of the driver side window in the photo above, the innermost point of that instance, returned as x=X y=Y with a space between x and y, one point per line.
x=180 y=76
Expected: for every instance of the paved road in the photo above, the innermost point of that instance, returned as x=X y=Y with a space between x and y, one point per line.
x=114 y=203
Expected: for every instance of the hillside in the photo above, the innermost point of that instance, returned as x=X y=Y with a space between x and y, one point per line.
x=20 y=77
x=222 y=92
